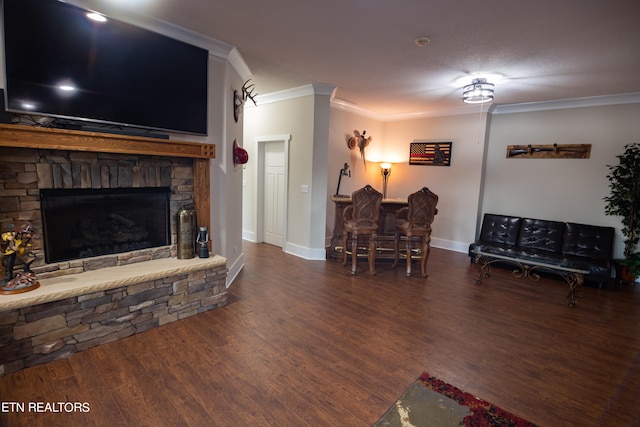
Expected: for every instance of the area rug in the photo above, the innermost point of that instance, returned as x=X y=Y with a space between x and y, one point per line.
x=432 y=402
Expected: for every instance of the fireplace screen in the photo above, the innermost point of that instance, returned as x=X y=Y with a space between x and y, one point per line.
x=81 y=223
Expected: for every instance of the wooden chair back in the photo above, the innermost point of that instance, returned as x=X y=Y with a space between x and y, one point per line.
x=366 y=204
x=422 y=207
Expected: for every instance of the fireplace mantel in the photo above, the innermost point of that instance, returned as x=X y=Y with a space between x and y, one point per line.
x=20 y=136
x=63 y=139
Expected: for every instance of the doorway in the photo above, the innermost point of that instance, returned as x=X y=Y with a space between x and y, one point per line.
x=273 y=155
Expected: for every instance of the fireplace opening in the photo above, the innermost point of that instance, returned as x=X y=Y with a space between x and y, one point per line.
x=81 y=223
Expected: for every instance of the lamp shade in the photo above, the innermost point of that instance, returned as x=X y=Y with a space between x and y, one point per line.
x=478 y=92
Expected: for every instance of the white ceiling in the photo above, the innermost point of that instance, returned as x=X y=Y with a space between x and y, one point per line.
x=545 y=49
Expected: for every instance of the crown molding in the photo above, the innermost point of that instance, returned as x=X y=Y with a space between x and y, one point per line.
x=343 y=105
x=592 y=101
x=296 y=92
x=237 y=63
x=324 y=89
x=340 y=104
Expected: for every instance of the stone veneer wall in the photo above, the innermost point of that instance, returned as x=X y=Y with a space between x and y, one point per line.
x=23 y=172
x=44 y=332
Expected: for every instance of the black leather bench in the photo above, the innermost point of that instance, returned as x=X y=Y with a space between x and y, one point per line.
x=577 y=252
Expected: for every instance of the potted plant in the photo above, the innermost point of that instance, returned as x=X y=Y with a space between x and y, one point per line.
x=624 y=201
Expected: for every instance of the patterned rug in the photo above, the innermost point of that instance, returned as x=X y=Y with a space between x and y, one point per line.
x=432 y=402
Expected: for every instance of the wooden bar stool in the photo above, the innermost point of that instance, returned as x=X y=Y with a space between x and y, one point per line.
x=362 y=219
x=413 y=222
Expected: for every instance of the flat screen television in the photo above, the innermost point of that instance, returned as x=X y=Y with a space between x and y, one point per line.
x=62 y=64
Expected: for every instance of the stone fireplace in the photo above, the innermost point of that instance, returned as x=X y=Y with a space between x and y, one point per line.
x=96 y=176
x=90 y=298
x=86 y=223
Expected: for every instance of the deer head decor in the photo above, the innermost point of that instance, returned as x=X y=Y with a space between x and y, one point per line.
x=359 y=140
x=240 y=98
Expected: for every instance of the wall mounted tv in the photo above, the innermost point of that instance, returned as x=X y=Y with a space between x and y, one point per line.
x=62 y=64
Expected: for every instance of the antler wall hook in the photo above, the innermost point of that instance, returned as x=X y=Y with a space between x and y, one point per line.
x=240 y=98
x=247 y=92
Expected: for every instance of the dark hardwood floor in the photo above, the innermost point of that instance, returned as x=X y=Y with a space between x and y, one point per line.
x=303 y=343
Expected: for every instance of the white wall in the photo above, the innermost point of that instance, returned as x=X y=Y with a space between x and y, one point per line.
x=342 y=125
x=458 y=185
x=306 y=119
x=558 y=189
x=319 y=165
x=225 y=179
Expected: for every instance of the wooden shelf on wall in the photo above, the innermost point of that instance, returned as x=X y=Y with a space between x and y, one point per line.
x=19 y=136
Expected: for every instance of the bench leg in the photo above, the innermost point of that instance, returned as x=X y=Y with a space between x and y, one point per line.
x=574 y=280
x=485 y=268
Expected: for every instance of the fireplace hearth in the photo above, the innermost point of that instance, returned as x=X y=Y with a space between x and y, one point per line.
x=82 y=223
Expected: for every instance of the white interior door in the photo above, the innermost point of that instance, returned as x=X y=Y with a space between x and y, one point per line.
x=274 y=192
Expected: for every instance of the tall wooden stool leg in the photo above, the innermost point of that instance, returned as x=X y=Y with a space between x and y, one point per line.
x=396 y=250
x=344 y=247
x=426 y=248
x=372 y=253
x=409 y=245
x=354 y=252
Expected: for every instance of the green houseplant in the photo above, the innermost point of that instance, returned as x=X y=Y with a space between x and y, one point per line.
x=624 y=201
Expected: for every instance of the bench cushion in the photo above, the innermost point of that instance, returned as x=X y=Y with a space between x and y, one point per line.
x=500 y=229
x=588 y=241
x=541 y=234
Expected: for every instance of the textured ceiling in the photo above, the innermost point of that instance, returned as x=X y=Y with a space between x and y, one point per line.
x=545 y=49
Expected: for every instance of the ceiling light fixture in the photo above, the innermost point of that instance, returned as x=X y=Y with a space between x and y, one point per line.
x=478 y=92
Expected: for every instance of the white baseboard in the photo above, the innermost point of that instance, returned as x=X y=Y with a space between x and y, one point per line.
x=249 y=236
x=234 y=269
x=320 y=254
x=304 y=252
x=293 y=249
x=450 y=245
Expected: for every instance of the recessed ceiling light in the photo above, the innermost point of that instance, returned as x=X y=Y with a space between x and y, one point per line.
x=422 y=41
x=96 y=17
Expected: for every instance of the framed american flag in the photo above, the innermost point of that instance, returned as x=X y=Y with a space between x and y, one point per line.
x=430 y=153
